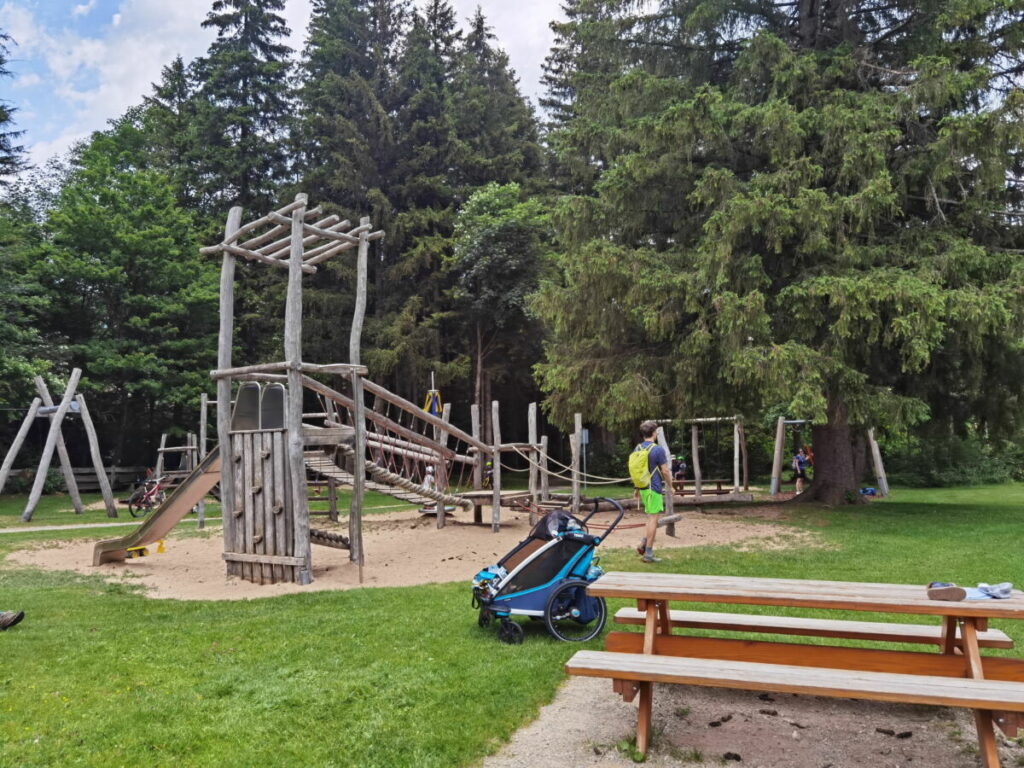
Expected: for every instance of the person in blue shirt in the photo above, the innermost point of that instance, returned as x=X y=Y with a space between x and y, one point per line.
x=800 y=463
x=651 y=497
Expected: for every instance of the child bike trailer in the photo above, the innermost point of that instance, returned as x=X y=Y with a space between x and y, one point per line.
x=546 y=577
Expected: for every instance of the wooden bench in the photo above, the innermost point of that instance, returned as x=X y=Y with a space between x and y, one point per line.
x=958 y=675
x=789 y=625
x=635 y=672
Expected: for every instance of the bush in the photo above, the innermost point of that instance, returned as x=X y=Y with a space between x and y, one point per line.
x=20 y=482
x=930 y=462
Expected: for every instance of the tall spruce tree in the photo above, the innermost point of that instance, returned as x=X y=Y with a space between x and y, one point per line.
x=172 y=130
x=407 y=332
x=12 y=154
x=495 y=126
x=811 y=207
x=244 y=106
x=346 y=140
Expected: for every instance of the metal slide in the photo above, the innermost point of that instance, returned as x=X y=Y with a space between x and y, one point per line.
x=155 y=527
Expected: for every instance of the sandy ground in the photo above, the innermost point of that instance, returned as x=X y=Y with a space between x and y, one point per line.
x=402 y=549
x=694 y=727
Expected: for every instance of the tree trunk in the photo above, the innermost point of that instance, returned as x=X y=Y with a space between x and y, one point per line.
x=834 y=479
x=860 y=457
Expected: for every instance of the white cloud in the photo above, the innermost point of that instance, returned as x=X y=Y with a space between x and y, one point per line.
x=27 y=80
x=115 y=20
x=83 y=9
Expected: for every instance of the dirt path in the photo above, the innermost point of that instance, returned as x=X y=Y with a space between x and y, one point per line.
x=707 y=728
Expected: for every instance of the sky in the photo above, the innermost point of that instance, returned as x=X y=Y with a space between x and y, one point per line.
x=76 y=64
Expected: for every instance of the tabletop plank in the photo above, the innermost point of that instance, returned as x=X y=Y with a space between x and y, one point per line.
x=799 y=593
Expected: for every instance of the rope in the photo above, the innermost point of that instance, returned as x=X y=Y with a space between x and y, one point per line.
x=591 y=479
x=382 y=475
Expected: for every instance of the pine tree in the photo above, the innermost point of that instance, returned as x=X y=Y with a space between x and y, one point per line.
x=495 y=126
x=244 y=106
x=345 y=140
x=811 y=208
x=407 y=330
x=171 y=125
x=12 y=158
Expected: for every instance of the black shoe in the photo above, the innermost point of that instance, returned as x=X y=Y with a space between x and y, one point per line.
x=9 y=618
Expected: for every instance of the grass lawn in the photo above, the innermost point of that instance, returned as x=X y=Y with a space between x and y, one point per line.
x=98 y=675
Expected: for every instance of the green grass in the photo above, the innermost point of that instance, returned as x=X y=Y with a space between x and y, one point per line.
x=99 y=675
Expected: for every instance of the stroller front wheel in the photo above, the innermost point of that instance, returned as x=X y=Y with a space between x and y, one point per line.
x=484 y=619
x=574 y=616
x=510 y=632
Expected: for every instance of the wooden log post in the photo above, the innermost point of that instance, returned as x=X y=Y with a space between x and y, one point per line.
x=225 y=337
x=12 y=452
x=50 y=445
x=62 y=450
x=201 y=506
x=743 y=453
x=495 y=468
x=575 y=448
x=780 y=441
x=441 y=466
x=876 y=460
x=97 y=459
x=669 y=496
x=545 y=480
x=478 y=466
x=531 y=436
x=159 y=471
x=293 y=354
x=695 y=449
x=736 y=455
x=355 y=517
x=332 y=417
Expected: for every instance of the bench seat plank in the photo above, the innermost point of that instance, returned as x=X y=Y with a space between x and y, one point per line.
x=783 y=678
x=791 y=625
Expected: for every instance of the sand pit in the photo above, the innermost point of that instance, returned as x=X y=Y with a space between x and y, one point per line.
x=402 y=549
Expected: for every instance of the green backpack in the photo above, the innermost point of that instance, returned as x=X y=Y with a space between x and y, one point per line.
x=640 y=466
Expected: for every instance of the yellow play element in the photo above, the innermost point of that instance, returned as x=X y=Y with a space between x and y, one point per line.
x=143 y=551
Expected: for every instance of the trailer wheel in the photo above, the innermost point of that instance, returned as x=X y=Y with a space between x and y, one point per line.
x=574 y=616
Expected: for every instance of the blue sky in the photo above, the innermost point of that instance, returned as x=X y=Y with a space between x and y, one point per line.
x=78 y=63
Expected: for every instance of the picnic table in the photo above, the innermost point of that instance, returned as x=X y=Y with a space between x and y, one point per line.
x=956 y=675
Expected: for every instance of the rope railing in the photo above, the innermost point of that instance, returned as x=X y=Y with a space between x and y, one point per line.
x=591 y=479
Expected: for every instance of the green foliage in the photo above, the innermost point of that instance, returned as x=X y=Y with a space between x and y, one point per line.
x=243 y=104
x=808 y=212
x=124 y=289
x=21 y=483
x=930 y=461
x=24 y=350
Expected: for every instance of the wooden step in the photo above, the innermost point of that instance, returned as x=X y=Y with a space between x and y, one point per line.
x=790 y=625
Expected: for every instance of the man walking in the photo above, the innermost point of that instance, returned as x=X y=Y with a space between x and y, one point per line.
x=651 y=473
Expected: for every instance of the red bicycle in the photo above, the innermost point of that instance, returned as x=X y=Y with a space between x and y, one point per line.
x=148 y=495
